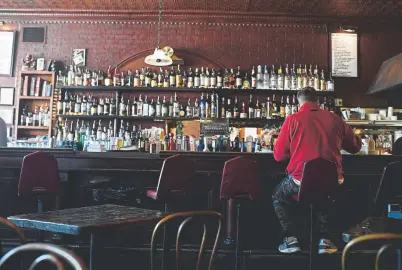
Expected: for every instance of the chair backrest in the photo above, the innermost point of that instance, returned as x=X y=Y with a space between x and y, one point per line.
x=384 y=242
x=176 y=178
x=12 y=226
x=39 y=175
x=52 y=253
x=389 y=185
x=319 y=181
x=197 y=217
x=240 y=178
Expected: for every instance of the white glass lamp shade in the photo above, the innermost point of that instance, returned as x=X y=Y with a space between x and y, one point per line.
x=158 y=58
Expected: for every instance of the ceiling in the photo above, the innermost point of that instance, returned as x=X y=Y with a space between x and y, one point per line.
x=318 y=8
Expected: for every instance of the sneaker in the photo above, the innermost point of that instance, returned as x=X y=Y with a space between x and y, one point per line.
x=325 y=246
x=289 y=245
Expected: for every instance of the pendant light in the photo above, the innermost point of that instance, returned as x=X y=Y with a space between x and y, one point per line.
x=159 y=57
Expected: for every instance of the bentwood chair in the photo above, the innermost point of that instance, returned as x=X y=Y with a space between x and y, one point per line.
x=203 y=218
x=14 y=228
x=51 y=254
x=318 y=188
x=240 y=182
x=385 y=242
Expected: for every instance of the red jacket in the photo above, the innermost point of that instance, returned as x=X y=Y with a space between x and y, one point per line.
x=313 y=133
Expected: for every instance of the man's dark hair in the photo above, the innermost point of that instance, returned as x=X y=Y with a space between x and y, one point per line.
x=307 y=94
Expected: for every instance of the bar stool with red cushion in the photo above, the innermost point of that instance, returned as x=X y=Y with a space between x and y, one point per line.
x=319 y=186
x=240 y=181
x=176 y=181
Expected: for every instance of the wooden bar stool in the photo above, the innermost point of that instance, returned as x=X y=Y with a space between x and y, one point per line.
x=319 y=186
x=240 y=181
x=40 y=178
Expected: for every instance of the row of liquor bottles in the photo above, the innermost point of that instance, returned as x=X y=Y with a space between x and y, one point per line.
x=260 y=78
x=208 y=106
x=39 y=116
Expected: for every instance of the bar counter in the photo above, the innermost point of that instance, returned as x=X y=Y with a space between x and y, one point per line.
x=81 y=172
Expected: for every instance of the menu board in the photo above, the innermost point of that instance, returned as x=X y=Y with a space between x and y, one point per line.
x=344 y=54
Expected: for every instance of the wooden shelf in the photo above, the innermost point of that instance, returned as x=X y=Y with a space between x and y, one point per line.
x=35 y=98
x=36 y=72
x=33 y=128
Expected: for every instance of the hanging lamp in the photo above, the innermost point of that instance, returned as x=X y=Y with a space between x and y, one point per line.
x=159 y=57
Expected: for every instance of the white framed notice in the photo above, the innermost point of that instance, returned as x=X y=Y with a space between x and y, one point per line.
x=344 y=54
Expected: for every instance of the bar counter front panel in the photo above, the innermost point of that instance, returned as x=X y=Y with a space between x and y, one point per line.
x=81 y=172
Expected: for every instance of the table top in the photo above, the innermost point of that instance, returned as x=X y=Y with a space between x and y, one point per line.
x=89 y=219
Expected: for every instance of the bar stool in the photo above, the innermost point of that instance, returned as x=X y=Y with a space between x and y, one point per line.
x=15 y=229
x=40 y=177
x=176 y=181
x=240 y=181
x=319 y=185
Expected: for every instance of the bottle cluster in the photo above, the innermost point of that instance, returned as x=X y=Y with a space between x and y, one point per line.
x=39 y=117
x=273 y=78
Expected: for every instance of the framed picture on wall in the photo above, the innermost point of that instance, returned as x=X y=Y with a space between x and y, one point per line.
x=79 y=57
x=7 y=115
x=7 y=44
x=7 y=96
x=344 y=55
x=40 y=64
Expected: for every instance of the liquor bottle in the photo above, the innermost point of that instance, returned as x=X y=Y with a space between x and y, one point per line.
x=106 y=107
x=202 y=78
x=158 y=109
x=179 y=78
x=86 y=78
x=165 y=108
x=113 y=109
x=128 y=108
x=223 y=108
x=190 y=79
x=232 y=79
x=283 y=107
x=219 y=79
x=243 y=113
x=280 y=79
x=83 y=109
x=185 y=79
x=310 y=77
x=151 y=108
x=129 y=81
x=101 y=78
x=94 y=108
x=197 y=79
x=229 y=109
x=154 y=80
x=246 y=81
x=72 y=105
x=305 y=76
x=94 y=79
x=78 y=77
x=323 y=105
x=166 y=82
x=108 y=79
x=207 y=78
x=265 y=78
x=207 y=107
x=134 y=107
x=148 y=77
x=145 y=107
x=182 y=111
x=260 y=81
x=330 y=83
x=171 y=111
x=226 y=79
x=274 y=111
x=139 y=106
x=316 y=79
x=286 y=79
x=116 y=77
x=293 y=78
x=176 y=106
x=288 y=107
x=70 y=76
x=236 y=110
x=202 y=106
x=137 y=80
x=142 y=77
x=299 y=78
x=89 y=105
x=253 y=78
x=122 y=107
x=99 y=131
x=257 y=109
x=251 y=108
x=268 y=105
x=122 y=79
x=323 y=83
x=273 y=84
x=239 y=81
x=189 y=109
x=213 y=79
x=160 y=77
x=294 y=105
x=213 y=113
x=100 y=106
x=59 y=105
x=196 y=109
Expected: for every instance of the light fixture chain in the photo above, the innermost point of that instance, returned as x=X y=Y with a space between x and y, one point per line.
x=159 y=22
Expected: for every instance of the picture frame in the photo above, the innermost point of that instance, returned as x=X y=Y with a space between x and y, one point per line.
x=7 y=115
x=40 y=63
x=7 y=49
x=344 y=54
x=7 y=96
x=79 y=57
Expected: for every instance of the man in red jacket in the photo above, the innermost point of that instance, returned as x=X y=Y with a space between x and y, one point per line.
x=306 y=135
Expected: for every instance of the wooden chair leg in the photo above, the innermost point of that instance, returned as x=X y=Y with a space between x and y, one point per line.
x=237 y=235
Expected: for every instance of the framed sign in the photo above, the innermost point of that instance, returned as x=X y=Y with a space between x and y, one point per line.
x=7 y=43
x=7 y=96
x=79 y=57
x=7 y=115
x=344 y=48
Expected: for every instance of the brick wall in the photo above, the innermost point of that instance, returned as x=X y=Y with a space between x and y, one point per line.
x=231 y=45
